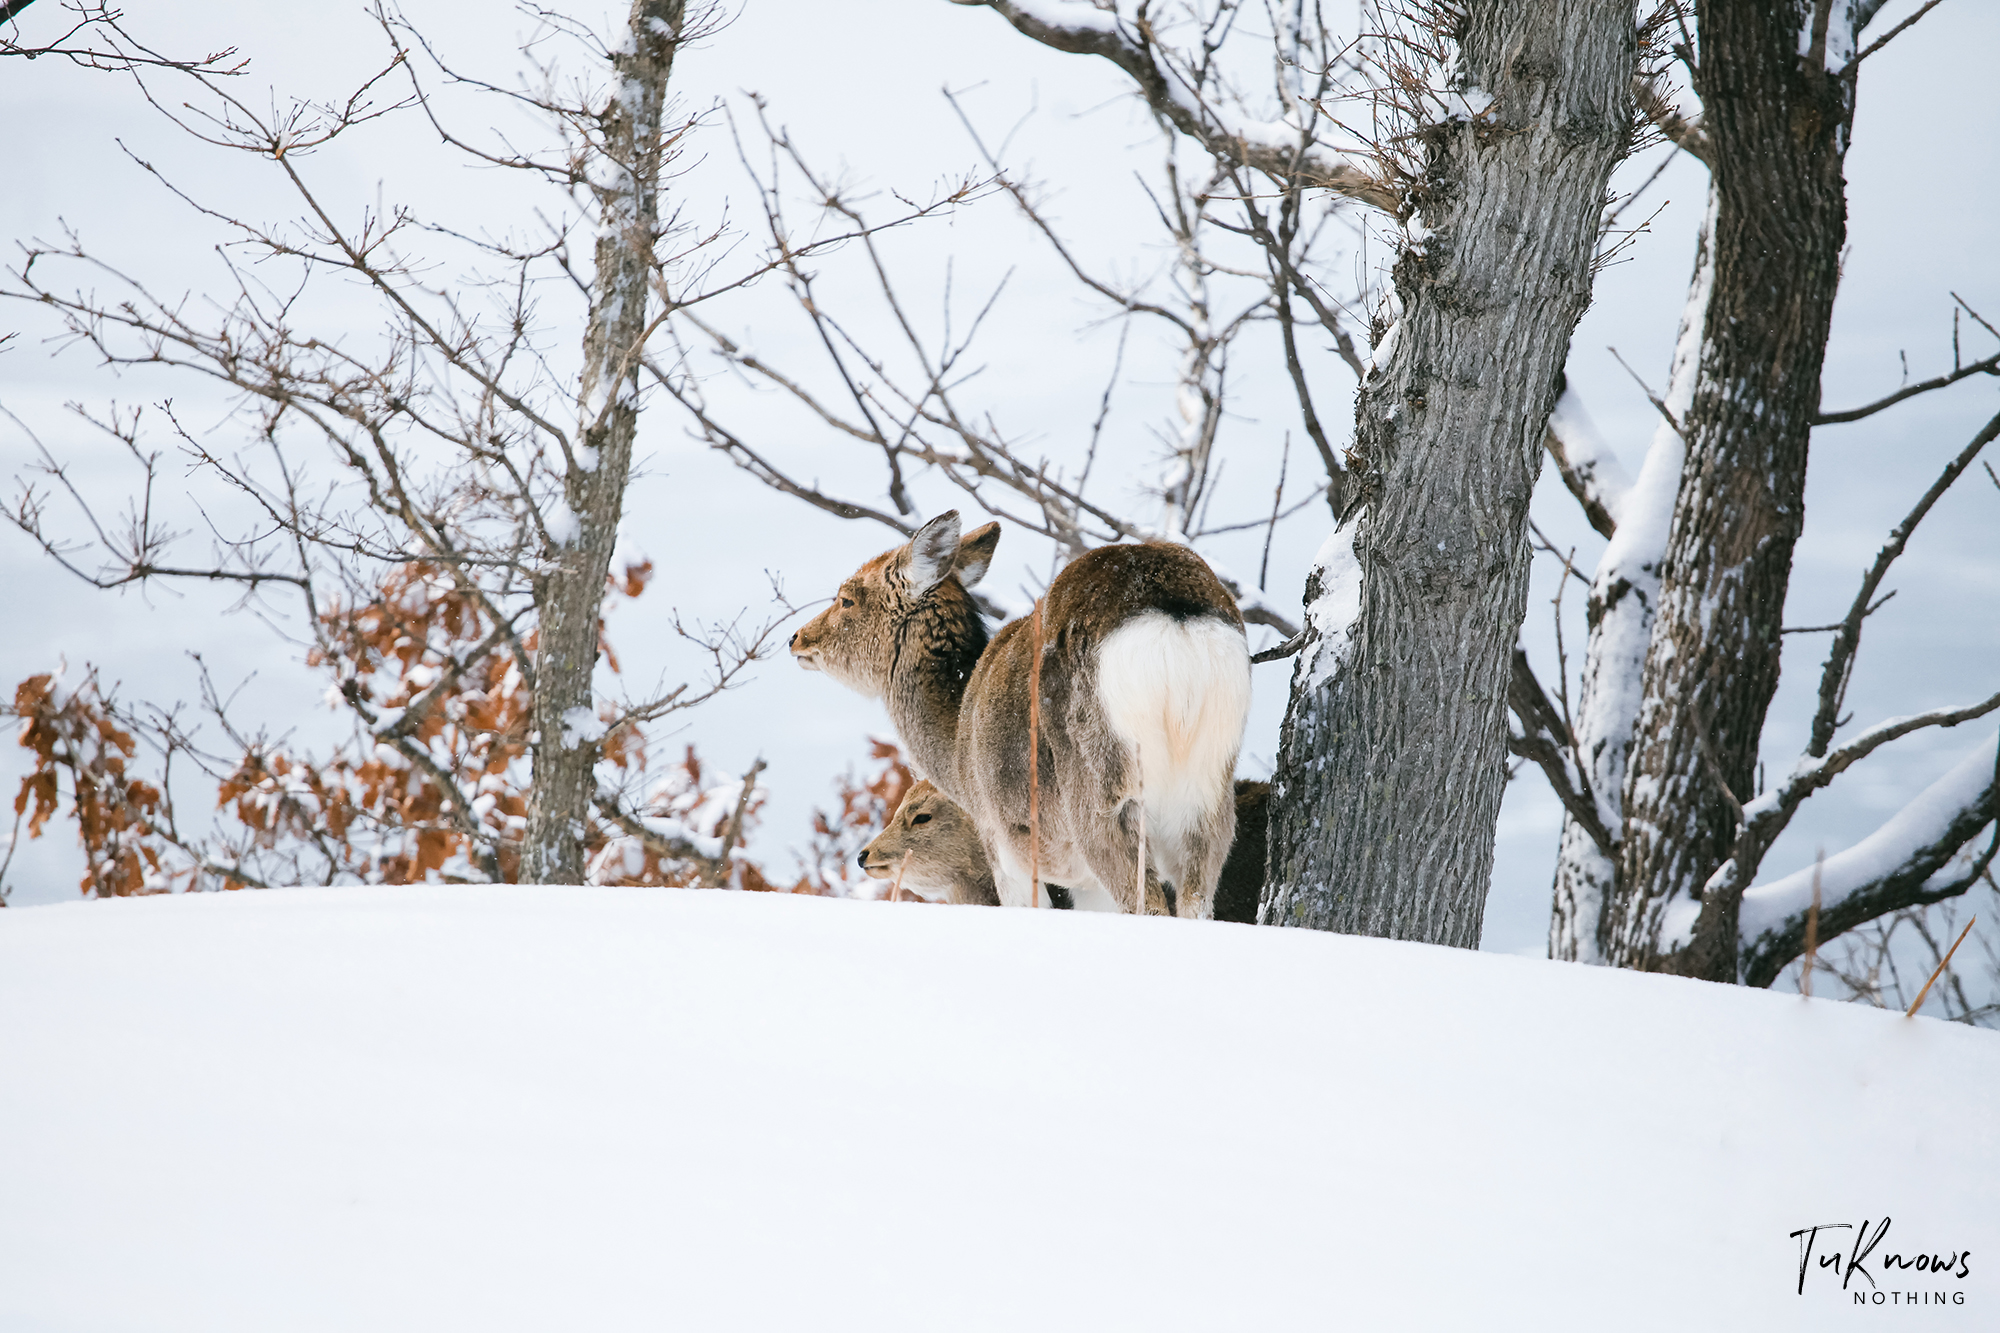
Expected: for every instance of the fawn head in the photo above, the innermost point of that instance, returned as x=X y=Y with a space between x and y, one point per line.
x=854 y=640
x=938 y=837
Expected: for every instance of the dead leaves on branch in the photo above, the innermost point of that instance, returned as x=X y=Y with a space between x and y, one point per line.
x=446 y=715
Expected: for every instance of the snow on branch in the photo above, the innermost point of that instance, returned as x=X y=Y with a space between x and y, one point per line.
x=1763 y=819
x=1904 y=863
x=1589 y=469
x=1270 y=146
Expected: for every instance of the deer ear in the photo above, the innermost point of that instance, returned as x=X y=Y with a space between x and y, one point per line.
x=931 y=551
x=975 y=554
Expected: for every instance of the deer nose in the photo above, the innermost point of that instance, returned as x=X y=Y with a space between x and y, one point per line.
x=862 y=860
x=792 y=642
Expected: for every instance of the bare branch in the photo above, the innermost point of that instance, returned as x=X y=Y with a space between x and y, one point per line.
x=1839 y=666
x=1866 y=11
x=1546 y=741
x=1905 y=863
x=1990 y=366
x=1085 y=30
x=1690 y=136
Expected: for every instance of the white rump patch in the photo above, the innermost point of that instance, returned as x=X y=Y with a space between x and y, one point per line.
x=1180 y=691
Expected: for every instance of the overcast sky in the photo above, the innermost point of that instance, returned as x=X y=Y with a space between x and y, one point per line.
x=859 y=89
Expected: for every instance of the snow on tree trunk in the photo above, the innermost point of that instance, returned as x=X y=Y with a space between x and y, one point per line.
x=1778 y=125
x=1623 y=597
x=1392 y=759
x=572 y=583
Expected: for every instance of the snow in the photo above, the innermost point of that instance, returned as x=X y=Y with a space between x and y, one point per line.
x=1589 y=456
x=1840 y=34
x=1614 y=675
x=536 y=1108
x=1922 y=822
x=1468 y=105
x=1332 y=614
x=1066 y=15
x=1379 y=358
x=579 y=726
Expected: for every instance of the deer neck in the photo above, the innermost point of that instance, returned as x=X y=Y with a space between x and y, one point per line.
x=935 y=652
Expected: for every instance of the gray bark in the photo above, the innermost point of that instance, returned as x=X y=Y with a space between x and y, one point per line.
x=1392 y=763
x=1778 y=129
x=571 y=587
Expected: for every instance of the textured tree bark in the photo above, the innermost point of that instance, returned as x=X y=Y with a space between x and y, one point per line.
x=1777 y=121
x=1624 y=594
x=1392 y=759
x=571 y=588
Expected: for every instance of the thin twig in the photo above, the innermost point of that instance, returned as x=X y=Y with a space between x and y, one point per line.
x=1812 y=928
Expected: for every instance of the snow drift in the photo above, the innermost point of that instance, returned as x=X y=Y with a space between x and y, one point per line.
x=605 y=1109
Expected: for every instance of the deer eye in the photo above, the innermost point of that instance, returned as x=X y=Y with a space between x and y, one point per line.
x=920 y=819
x=847 y=601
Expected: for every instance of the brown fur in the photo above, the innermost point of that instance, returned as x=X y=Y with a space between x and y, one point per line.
x=942 y=846
x=1243 y=873
x=903 y=628
x=946 y=856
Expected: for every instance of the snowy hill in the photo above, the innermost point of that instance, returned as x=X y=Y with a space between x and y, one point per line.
x=497 y=1109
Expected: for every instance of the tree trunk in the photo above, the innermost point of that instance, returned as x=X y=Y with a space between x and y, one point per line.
x=1624 y=595
x=1777 y=122
x=1392 y=760
x=571 y=588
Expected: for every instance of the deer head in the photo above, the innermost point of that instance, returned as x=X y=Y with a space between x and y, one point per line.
x=942 y=846
x=919 y=586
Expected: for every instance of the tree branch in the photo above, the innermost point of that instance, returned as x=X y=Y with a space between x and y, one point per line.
x=1990 y=366
x=1839 y=667
x=1589 y=471
x=1900 y=865
x=1866 y=11
x=1688 y=135
x=1085 y=30
x=1547 y=742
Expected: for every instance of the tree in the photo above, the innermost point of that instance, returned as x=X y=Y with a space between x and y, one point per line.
x=1667 y=828
x=475 y=494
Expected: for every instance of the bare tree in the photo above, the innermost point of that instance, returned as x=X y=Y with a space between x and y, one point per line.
x=1667 y=830
x=448 y=483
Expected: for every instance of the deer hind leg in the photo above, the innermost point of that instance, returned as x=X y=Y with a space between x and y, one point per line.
x=1112 y=852
x=1009 y=858
x=1201 y=851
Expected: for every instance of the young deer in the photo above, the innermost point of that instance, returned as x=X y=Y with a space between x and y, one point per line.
x=1143 y=654
x=945 y=857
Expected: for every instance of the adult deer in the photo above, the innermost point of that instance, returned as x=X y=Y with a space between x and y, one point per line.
x=1144 y=656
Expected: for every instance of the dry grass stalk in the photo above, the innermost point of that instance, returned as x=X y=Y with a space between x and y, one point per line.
x=1034 y=760
x=1812 y=929
x=1139 y=773
x=1943 y=963
x=896 y=886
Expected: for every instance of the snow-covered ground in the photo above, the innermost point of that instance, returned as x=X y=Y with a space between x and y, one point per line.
x=515 y=1108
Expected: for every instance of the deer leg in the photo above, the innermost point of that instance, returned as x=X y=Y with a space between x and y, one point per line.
x=1113 y=856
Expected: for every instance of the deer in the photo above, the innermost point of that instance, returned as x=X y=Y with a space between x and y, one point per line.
x=1145 y=692
x=931 y=846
